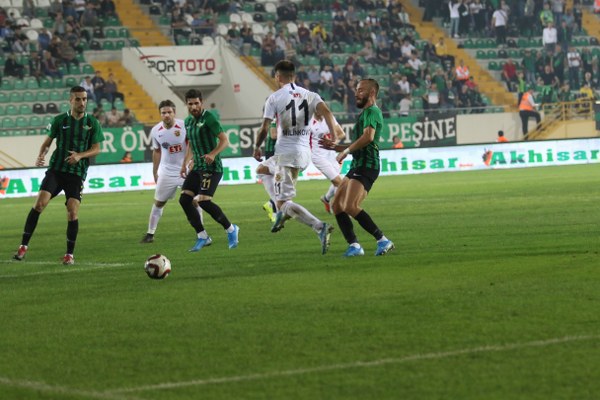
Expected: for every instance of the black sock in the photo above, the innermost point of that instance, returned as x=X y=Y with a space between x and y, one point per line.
x=368 y=225
x=215 y=212
x=72 y=229
x=345 y=224
x=191 y=212
x=30 y=224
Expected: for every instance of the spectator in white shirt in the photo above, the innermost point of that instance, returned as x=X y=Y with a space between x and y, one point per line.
x=574 y=63
x=499 y=22
x=550 y=37
x=453 y=6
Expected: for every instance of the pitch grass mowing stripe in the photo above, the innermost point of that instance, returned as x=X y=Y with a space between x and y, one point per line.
x=87 y=267
x=360 y=364
x=46 y=388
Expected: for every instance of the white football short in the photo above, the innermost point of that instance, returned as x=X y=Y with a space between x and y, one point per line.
x=285 y=183
x=328 y=165
x=166 y=187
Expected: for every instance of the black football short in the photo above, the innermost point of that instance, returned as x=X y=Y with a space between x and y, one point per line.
x=366 y=176
x=202 y=182
x=55 y=181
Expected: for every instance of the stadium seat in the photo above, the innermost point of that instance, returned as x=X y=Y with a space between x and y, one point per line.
x=119 y=44
x=110 y=33
x=47 y=120
x=42 y=96
x=38 y=108
x=29 y=96
x=71 y=81
x=3 y=97
x=7 y=84
x=123 y=33
x=46 y=83
x=74 y=69
x=52 y=108
x=24 y=109
x=88 y=70
x=20 y=84
x=108 y=45
x=35 y=121
x=21 y=122
x=8 y=122
x=15 y=97
x=64 y=107
x=55 y=95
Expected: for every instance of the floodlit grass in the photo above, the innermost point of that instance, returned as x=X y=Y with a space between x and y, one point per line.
x=492 y=293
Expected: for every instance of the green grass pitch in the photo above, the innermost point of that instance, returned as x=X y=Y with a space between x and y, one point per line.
x=491 y=293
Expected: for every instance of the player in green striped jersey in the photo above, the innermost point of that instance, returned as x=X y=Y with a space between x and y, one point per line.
x=206 y=141
x=78 y=136
x=363 y=172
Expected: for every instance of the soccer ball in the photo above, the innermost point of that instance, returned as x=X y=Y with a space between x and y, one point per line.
x=157 y=266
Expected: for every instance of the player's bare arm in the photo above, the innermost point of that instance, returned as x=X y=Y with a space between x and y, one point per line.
x=367 y=137
x=156 y=154
x=323 y=110
x=40 y=161
x=223 y=143
x=186 y=161
x=260 y=138
x=74 y=157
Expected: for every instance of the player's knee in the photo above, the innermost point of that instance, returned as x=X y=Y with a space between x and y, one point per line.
x=185 y=200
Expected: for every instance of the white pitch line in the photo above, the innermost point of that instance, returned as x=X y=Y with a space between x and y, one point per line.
x=90 y=267
x=44 y=387
x=357 y=364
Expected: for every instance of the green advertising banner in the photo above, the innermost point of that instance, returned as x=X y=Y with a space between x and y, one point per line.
x=118 y=141
x=434 y=130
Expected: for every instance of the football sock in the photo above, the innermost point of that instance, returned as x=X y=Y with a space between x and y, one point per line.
x=273 y=205
x=295 y=210
x=155 y=215
x=267 y=181
x=345 y=224
x=30 y=224
x=72 y=229
x=215 y=212
x=331 y=192
x=368 y=225
x=190 y=211
x=383 y=239
x=230 y=229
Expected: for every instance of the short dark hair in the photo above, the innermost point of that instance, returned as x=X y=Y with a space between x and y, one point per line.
x=193 y=94
x=285 y=68
x=166 y=103
x=500 y=133
x=77 y=89
x=373 y=84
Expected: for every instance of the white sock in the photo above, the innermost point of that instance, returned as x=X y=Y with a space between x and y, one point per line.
x=295 y=210
x=355 y=244
x=383 y=239
x=155 y=215
x=267 y=181
x=202 y=235
x=230 y=229
x=331 y=192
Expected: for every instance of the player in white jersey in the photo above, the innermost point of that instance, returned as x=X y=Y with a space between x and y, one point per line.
x=324 y=160
x=293 y=107
x=169 y=144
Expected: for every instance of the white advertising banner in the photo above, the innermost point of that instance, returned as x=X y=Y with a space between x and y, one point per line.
x=138 y=176
x=185 y=65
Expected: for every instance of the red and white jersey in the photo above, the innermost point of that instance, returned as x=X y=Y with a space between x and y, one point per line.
x=320 y=130
x=173 y=145
x=293 y=107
